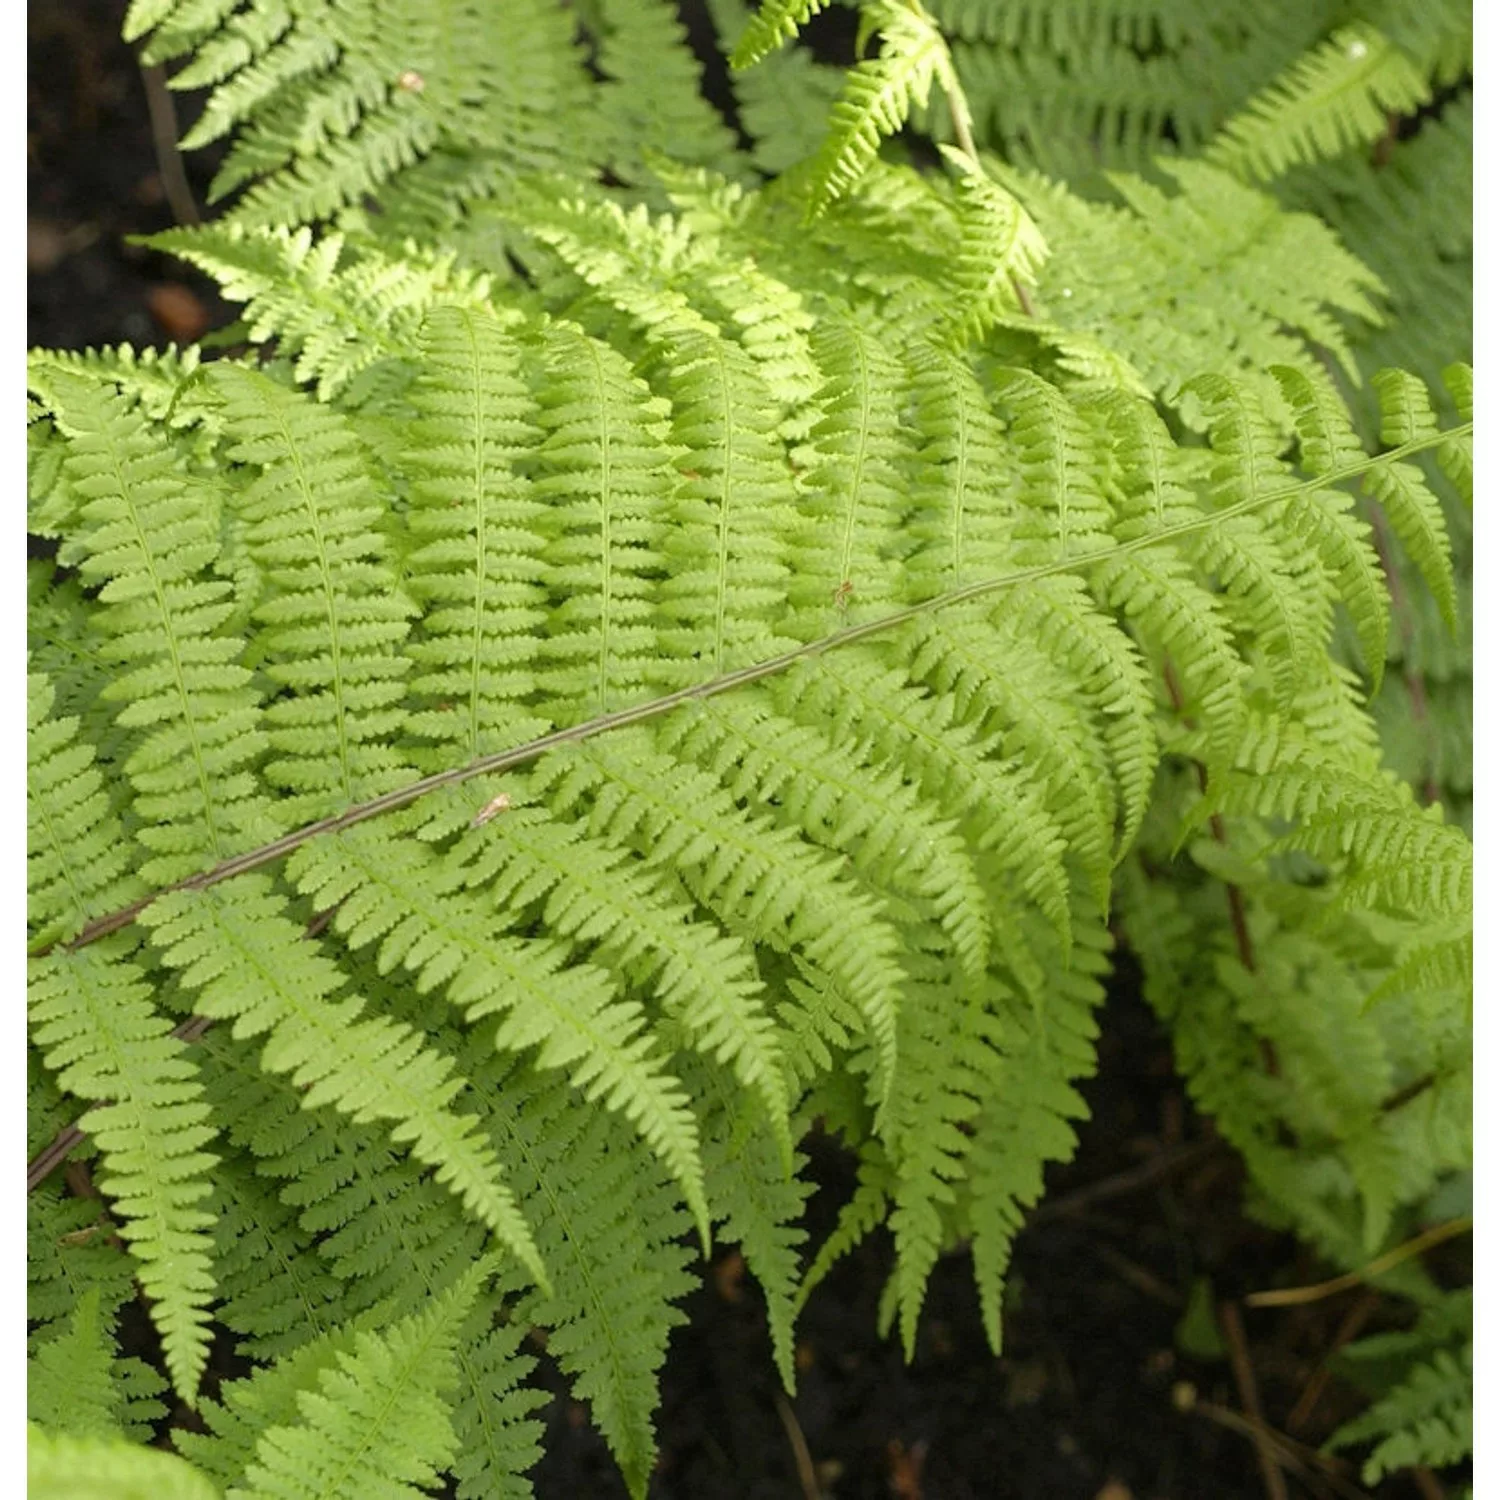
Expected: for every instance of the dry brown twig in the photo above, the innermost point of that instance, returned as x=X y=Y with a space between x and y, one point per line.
x=1244 y=1379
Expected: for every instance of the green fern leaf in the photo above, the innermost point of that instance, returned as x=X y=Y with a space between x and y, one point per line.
x=336 y=308
x=762 y=880
x=146 y=533
x=1456 y=455
x=345 y=1443
x=1416 y=515
x=1000 y=249
x=63 y=1467
x=1340 y=95
x=92 y=1018
x=776 y=21
x=602 y=423
x=597 y=895
x=391 y=892
x=77 y=860
x=69 y=1381
x=274 y=1294
x=1427 y=1419
x=610 y=1313
x=334 y=615
x=476 y=564
x=1046 y=1044
x=1328 y=443
x=879 y=93
x=249 y=963
x=783 y=100
x=656 y=103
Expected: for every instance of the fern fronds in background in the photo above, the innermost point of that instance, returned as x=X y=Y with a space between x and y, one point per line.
x=731 y=640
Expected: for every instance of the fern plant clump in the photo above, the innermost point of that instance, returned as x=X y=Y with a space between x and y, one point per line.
x=650 y=636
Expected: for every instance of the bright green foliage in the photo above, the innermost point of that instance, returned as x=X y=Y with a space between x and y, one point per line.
x=346 y=1437
x=884 y=589
x=70 y=1386
x=1426 y=1415
x=60 y=1466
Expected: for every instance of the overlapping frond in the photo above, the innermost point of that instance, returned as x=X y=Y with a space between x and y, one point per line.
x=344 y=1439
x=146 y=532
x=61 y=1466
x=91 y=1016
x=1340 y=95
x=336 y=309
x=571 y=1015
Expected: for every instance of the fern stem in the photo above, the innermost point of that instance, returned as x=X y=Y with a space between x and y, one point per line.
x=1295 y=1296
x=506 y=760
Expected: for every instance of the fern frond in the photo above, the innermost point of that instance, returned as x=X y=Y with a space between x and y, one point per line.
x=656 y=102
x=965 y=490
x=335 y=617
x=345 y=1443
x=865 y=1211
x=865 y=812
x=245 y=961
x=783 y=100
x=274 y=1294
x=1336 y=97
x=606 y=467
x=997 y=805
x=1265 y=580
x=612 y=1233
x=92 y=1018
x=475 y=568
x=60 y=1466
x=1426 y=1419
x=146 y=532
x=77 y=859
x=1027 y=1110
x=762 y=1203
x=598 y=897
x=1455 y=457
x=335 y=307
x=760 y=880
x=1000 y=249
x=156 y=379
x=878 y=95
x=852 y=494
x=1416 y=515
x=69 y=1381
x=1034 y=717
x=948 y=1040
x=266 y=1398
x=1328 y=443
x=390 y=892
x=775 y=22
x=1148 y=279
x=71 y=1252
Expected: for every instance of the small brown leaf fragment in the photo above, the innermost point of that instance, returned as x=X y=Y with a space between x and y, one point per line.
x=906 y=1468
x=729 y=1275
x=178 y=312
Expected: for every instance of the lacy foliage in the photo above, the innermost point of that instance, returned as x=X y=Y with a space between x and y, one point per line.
x=819 y=609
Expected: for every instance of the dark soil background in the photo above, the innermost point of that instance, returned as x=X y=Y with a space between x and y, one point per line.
x=1097 y=1396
